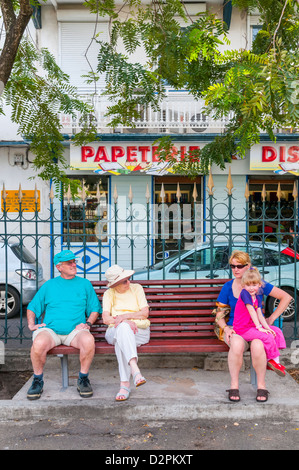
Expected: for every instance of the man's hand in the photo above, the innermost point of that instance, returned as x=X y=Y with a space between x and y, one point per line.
x=82 y=326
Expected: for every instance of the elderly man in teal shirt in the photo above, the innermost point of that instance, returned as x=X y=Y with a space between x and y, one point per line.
x=69 y=307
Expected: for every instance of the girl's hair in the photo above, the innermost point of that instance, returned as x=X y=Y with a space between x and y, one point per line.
x=251 y=276
x=240 y=256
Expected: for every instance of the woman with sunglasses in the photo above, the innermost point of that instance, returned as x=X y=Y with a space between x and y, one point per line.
x=226 y=303
x=125 y=311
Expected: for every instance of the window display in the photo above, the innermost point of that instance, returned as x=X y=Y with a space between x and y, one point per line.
x=86 y=221
x=179 y=222
x=267 y=214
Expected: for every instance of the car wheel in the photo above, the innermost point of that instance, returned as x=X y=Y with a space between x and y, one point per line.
x=289 y=313
x=13 y=302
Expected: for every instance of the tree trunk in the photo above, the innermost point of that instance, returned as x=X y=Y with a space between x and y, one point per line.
x=14 y=30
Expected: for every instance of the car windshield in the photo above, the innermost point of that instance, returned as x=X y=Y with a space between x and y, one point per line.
x=23 y=254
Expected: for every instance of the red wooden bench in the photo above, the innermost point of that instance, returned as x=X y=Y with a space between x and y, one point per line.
x=180 y=315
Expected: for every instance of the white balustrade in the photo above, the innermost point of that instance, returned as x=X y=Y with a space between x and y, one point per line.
x=179 y=112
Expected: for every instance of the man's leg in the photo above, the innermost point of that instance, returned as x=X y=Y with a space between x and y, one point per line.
x=42 y=343
x=84 y=341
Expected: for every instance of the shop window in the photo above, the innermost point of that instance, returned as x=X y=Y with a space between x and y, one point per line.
x=180 y=227
x=268 y=216
x=87 y=222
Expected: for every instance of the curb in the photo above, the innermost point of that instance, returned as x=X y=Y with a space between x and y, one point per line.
x=159 y=410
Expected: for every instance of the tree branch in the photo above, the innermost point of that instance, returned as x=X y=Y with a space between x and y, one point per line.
x=14 y=29
x=278 y=25
x=8 y=13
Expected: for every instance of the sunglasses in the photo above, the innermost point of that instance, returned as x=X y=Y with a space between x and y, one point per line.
x=70 y=263
x=238 y=266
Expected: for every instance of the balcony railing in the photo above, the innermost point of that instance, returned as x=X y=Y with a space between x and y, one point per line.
x=179 y=113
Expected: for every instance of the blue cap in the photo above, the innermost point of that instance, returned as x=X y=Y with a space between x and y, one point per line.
x=65 y=255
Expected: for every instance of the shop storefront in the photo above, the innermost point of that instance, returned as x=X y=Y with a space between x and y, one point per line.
x=135 y=211
x=274 y=196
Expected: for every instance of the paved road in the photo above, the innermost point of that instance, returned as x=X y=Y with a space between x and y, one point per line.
x=183 y=438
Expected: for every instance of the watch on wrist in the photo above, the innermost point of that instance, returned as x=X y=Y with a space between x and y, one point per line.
x=88 y=323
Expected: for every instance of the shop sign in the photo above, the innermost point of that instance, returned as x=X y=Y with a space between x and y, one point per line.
x=123 y=158
x=28 y=201
x=279 y=158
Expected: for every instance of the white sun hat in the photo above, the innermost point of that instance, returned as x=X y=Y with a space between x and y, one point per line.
x=116 y=274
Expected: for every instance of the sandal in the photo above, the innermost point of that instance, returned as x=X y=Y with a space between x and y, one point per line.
x=140 y=382
x=124 y=394
x=234 y=392
x=263 y=393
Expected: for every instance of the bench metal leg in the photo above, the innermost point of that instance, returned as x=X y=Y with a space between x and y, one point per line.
x=253 y=378
x=64 y=369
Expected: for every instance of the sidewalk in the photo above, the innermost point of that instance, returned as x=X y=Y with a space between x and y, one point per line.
x=170 y=393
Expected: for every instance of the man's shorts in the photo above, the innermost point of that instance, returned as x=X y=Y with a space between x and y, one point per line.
x=59 y=339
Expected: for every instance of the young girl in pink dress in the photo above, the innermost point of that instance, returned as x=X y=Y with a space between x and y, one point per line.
x=250 y=323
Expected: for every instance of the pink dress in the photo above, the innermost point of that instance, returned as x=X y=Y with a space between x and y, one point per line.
x=244 y=326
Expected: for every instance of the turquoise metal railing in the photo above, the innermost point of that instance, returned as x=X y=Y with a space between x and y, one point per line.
x=154 y=238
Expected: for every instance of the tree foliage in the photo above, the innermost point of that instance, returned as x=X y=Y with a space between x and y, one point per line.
x=37 y=91
x=258 y=88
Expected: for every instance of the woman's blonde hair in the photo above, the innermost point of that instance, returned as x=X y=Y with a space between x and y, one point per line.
x=240 y=256
x=251 y=276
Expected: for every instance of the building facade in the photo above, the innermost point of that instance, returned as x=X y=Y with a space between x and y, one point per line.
x=134 y=210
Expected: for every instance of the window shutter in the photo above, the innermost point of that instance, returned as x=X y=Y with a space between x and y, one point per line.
x=75 y=42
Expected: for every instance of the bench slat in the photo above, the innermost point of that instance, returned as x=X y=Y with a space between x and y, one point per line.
x=175 y=305
x=180 y=297
x=167 y=282
x=183 y=313
x=153 y=348
x=168 y=328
